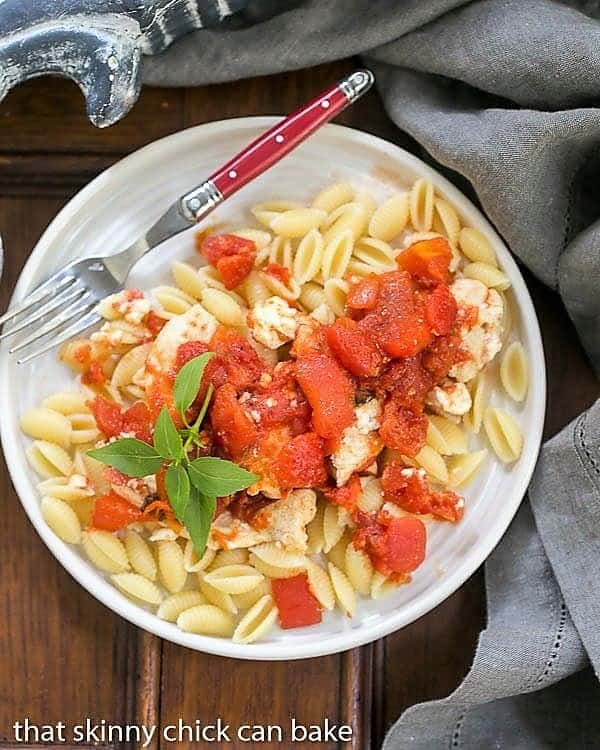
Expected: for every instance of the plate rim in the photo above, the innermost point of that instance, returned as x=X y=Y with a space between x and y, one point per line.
x=104 y=591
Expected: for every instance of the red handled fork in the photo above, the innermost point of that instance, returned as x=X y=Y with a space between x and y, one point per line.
x=71 y=295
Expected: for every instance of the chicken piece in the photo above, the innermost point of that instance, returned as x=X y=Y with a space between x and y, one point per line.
x=282 y=521
x=450 y=399
x=273 y=322
x=483 y=340
x=360 y=443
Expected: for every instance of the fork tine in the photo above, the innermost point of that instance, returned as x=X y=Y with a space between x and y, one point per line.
x=87 y=321
x=71 y=293
x=77 y=308
x=38 y=294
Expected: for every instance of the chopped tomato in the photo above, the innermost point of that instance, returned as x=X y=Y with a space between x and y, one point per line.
x=161 y=489
x=301 y=462
x=235 y=361
x=188 y=351
x=406 y=378
x=329 y=391
x=281 y=402
x=94 y=374
x=137 y=419
x=403 y=429
x=440 y=310
x=364 y=294
x=112 y=512
x=347 y=495
x=441 y=355
x=404 y=545
x=217 y=246
x=281 y=273
x=154 y=323
x=354 y=348
x=235 y=268
x=405 y=337
x=296 y=604
x=233 y=427
x=107 y=415
x=409 y=490
x=427 y=260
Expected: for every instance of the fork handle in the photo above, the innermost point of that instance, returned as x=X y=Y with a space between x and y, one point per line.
x=273 y=145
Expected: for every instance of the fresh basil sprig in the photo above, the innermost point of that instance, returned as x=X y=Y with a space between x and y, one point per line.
x=192 y=486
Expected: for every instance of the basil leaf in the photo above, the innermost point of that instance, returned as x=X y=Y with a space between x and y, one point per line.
x=130 y=456
x=204 y=408
x=198 y=517
x=177 y=484
x=215 y=477
x=167 y=440
x=187 y=382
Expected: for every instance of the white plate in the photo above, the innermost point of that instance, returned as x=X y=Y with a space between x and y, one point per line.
x=118 y=206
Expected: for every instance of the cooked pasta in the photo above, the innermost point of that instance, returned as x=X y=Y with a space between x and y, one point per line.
x=138 y=587
x=476 y=246
x=487 y=274
x=174 y=605
x=421 y=205
x=47 y=425
x=344 y=593
x=446 y=221
x=140 y=555
x=308 y=257
x=504 y=434
x=62 y=519
x=390 y=218
x=514 y=374
x=352 y=340
x=333 y=196
x=206 y=619
x=463 y=468
x=257 y=622
x=336 y=255
x=225 y=309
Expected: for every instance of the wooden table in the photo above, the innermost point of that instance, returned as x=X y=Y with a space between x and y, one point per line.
x=63 y=655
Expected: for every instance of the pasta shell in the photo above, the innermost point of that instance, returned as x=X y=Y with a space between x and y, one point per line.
x=264 y=213
x=249 y=598
x=272 y=554
x=336 y=291
x=214 y=596
x=333 y=526
x=476 y=247
x=173 y=300
x=421 y=205
x=350 y=217
x=234 y=579
x=430 y=460
x=462 y=469
x=170 y=566
x=206 y=619
x=187 y=279
x=62 y=519
x=474 y=418
x=375 y=253
x=333 y=196
x=140 y=555
x=312 y=296
x=504 y=434
x=260 y=238
x=390 y=218
x=445 y=220
x=229 y=557
x=67 y=402
x=48 y=459
x=336 y=255
x=445 y=436
x=344 y=593
x=514 y=374
x=253 y=289
x=273 y=571
x=488 y=275
x=320 y=585
x=226 y=310
x=105 y=550
x=137 y=587
x=174 y=605
x=359 y=569
x=257 y=622
x=297 y=222
x=308 y=257
x=48 y=425
x=370 y=499
x=191 y=562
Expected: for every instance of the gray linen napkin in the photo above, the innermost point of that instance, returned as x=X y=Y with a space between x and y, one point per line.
x=504 y=93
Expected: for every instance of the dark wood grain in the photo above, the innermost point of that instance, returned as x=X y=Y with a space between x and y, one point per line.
x=63 y=655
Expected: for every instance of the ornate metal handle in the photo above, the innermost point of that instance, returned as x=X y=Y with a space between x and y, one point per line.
x=273 y=145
